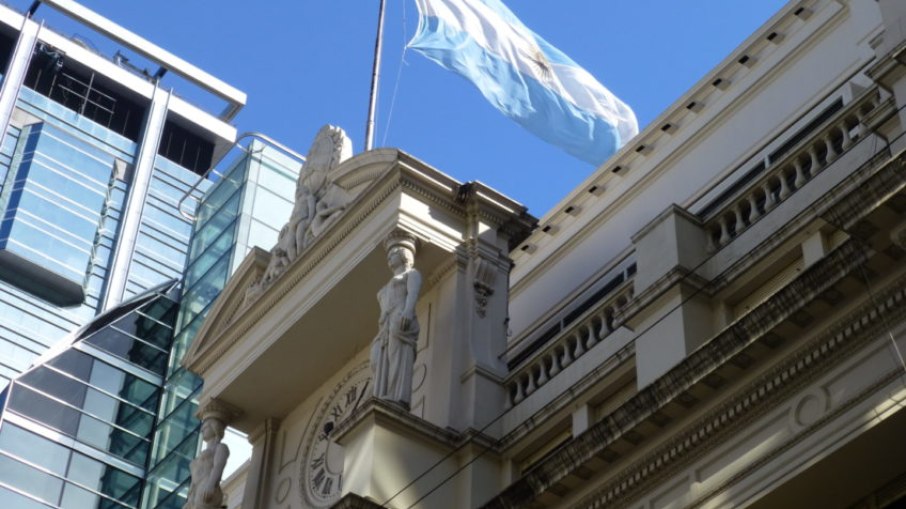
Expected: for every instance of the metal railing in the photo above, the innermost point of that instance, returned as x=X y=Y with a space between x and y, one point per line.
x=246 y=135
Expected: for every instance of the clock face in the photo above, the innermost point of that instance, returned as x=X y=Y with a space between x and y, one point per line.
x=322 y=463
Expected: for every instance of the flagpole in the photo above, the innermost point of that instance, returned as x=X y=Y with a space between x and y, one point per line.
x=375 y=77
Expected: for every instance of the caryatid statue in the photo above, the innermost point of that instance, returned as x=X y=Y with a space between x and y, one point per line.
x=393 y=349
x=207 y=468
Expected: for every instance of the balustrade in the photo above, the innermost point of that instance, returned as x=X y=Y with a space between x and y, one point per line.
x=782 y=178
x=566 y=348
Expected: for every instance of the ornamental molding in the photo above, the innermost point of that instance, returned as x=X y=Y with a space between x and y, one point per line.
x=794 y=374
x=854 y=201
x=692 y=370
x=807 y=431
x=231 y=328
x=390 y=172
x=483 y=284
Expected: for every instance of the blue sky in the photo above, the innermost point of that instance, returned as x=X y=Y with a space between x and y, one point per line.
x=305 y=63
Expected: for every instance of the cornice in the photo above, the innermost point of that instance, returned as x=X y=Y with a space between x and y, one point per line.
x=652 y=134
x=234 y=327
x=882 y=381
x=795 y=372
x=670 y=387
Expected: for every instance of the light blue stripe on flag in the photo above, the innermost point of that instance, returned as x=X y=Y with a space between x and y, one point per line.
x=524 y=77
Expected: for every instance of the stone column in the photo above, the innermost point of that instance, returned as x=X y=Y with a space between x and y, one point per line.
x=257 y=481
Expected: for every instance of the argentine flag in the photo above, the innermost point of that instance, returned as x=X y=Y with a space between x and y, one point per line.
x=524 y=77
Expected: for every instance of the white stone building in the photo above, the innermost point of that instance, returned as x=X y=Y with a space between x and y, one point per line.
x=710 y=320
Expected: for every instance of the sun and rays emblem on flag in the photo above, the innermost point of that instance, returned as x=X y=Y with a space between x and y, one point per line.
x=544 y=66
x=524 y=76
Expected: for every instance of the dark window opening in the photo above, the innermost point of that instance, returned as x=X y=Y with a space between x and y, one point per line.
x=801 y=134
x=49 y=75
x=7 y=45
x=186 y=148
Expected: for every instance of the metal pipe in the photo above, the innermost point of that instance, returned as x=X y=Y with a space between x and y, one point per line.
x=249 y=134
x=375 y=77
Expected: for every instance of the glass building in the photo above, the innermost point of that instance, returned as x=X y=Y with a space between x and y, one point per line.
x=95 y=156
x=239 y=212
x=76 y=430
x=107 y=418
x=102 y=172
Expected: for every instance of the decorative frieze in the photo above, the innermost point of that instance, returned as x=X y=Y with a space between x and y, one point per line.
x=694 y=369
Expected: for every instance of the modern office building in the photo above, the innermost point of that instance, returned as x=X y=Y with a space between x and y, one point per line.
x=107 y=417
x=76 y=430
x=104 y=171
x=94 y=157
x=713 y=318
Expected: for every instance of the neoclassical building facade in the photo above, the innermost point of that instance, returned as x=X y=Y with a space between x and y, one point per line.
x=713 y=318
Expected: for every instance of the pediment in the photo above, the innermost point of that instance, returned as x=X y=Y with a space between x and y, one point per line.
x=354 y=175
x=265 y=347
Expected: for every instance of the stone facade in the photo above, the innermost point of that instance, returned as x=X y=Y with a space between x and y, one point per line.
x=714 y=318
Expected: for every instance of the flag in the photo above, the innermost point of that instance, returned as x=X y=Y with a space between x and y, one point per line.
x=523 y=76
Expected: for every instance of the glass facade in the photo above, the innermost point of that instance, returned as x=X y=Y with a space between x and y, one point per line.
x=65 y=181
x=106 y=417
x=76 y=429
x=233 y=216
x=53 y=204
x=47 y=145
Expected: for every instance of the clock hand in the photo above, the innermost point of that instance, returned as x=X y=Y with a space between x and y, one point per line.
x=361 y=394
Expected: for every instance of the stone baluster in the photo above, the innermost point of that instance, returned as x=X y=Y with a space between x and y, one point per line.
x=580 y=348
x=542 y=372
x=829 y=144
x=847 y=138
x=555 y=362
x=769 y=199
x=724 y=231
x=518 y=393
x=753 y=207
x=740 y=218
x=800 y=173
x=814 y=161
x=592 y=337
x=530 y=384
x=784 y=186
x=568 y=356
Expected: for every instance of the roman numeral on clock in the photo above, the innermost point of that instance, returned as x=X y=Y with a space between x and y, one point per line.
x=318 y=462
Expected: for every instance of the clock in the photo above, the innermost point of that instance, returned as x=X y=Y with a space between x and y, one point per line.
x=321 y=476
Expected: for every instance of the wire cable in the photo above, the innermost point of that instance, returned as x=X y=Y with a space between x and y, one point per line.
x=696 y=292
x=485 y=449
x=399 y=75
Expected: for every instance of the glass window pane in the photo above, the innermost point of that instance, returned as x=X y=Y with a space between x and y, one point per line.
x=30 y=480
x=34 y=449
x=40 y=408
x=77 y=498
x=12 y=500
x=104 y=478
x=128 y=348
